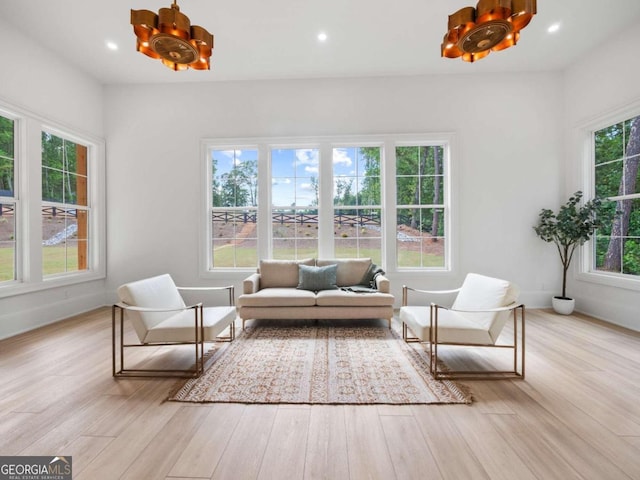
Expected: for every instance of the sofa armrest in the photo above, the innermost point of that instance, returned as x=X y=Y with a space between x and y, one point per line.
x=382 y=284
x=251 y=284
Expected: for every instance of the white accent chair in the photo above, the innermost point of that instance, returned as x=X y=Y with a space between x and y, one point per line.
x=160 y=316
x=477 y=317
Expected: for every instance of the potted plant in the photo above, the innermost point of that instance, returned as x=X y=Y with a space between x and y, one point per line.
x=571 y=227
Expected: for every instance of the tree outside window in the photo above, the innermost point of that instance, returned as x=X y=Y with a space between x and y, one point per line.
x=616 y=160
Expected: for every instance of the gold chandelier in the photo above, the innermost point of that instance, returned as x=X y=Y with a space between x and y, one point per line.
x=170 y=37
x=492 y=25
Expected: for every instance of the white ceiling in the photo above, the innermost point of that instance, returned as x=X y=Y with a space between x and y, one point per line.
x=269 y=39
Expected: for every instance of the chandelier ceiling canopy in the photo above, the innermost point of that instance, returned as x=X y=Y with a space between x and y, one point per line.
x=170 y=37
x=493 y=25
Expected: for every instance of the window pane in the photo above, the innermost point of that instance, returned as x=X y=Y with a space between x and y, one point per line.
x=358 y=234
x=7 y=242
x=235 y=178
x=632 y=173
x=344 y=189
x=608 y=176
x=234 y=239
x=295 y=234
x=64 y=240
x=609 y=143
x=7 y=169
x=7 y=129
x=294 y=177
x=64 y=170
x=420 y=237
x=616 y=246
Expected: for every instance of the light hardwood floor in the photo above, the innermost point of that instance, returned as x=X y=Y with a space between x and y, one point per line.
x=576 y=416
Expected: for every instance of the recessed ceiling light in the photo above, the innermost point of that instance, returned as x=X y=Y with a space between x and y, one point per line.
x=322 y=37
x=111 y=45
x=553 y=28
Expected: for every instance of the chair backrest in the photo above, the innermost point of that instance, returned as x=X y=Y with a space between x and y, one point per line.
x=481 y=292
x=154 y=292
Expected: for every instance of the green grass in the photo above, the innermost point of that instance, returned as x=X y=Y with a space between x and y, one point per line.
x=6 y=264
x=54 y=260
x=410 y=259
x=59 y=260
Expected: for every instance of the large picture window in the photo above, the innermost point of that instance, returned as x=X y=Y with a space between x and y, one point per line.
x=385 y=197
x=52 y=204
x=617 y=178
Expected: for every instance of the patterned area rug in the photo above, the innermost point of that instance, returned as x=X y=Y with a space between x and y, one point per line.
x=311 y=364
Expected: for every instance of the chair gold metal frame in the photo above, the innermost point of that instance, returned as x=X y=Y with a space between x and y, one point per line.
x=118 y=344
x=442 y=374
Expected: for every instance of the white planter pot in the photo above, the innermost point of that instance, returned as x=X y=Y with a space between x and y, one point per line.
x=563 y=306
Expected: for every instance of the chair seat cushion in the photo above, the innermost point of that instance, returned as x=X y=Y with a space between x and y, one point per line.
x=452 y=326
x=280 y=297
x=180 y=327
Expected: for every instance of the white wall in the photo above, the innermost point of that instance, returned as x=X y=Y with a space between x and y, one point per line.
x=603 y=82
x=34 y=80
x=509 y=144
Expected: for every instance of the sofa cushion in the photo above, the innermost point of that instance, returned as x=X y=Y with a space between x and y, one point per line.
x=278 y=297
x=350 y=270
x=341 y=298
x=281 y=273
x=317 y=278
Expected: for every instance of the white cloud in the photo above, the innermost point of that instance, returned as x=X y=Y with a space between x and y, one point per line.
x=307 y=156
x=281 y=181
x=310 y=169
x=340 y=157
x=234 y=155
x=307 y=186
x=231 y=153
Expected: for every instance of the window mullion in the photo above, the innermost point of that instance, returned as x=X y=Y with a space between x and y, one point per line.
x=325 y=202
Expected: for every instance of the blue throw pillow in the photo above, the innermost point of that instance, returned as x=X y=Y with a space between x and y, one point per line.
x=317 y=278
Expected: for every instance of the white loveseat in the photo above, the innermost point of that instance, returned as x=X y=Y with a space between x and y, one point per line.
x=273 y=293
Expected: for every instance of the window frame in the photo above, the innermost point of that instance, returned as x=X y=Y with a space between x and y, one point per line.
x=268 y=219
x=585 y=144
x=208 y=228
x=325 y=144
x=380 y=206
x=28 y=217
x=446 y=203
